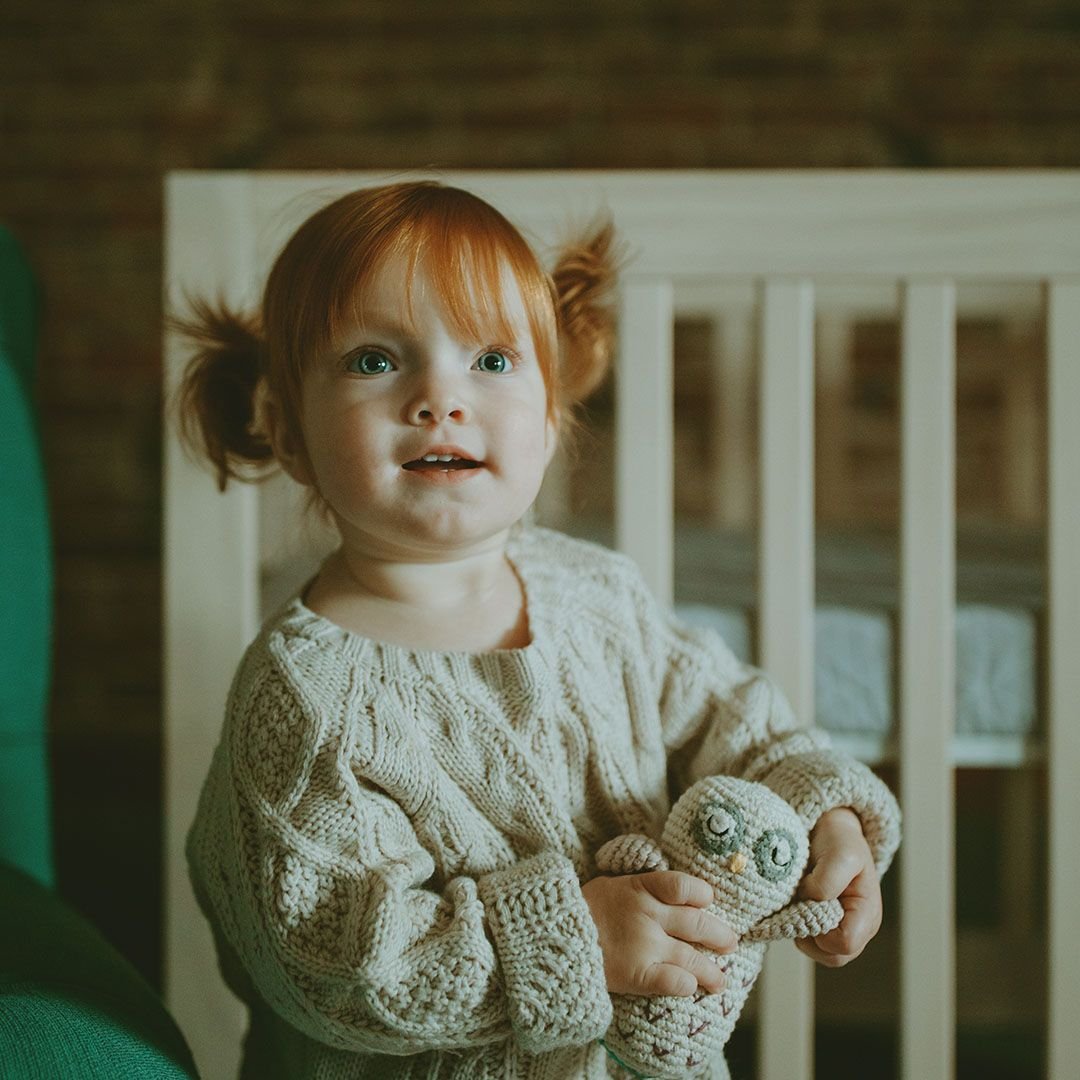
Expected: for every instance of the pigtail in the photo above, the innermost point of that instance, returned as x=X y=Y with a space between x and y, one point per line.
x=216 y=404
x=584 y=276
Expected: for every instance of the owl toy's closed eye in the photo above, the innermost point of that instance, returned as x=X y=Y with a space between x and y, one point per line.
x=752 y=848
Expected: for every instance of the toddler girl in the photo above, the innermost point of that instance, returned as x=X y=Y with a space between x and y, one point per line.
x=425 y=747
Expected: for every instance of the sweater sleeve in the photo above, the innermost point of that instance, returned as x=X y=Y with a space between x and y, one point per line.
x=720 y=715
x=317 y=882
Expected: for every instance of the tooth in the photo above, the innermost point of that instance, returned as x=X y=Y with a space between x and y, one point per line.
x=430 y=457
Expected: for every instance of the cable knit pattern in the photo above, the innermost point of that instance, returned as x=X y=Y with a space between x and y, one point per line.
x=390 y=843
x=542 y=892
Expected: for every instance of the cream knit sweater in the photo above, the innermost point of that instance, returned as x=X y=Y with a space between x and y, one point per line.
x=390 y=843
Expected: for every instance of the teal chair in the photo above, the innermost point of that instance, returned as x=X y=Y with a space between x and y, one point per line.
x=71 y=1007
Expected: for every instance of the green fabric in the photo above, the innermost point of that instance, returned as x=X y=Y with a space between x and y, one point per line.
x=25 y=584
x=25 y=824
x=70 y=1005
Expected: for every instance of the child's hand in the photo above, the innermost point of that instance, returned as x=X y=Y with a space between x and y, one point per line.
x=645 y=922
x=841 y=867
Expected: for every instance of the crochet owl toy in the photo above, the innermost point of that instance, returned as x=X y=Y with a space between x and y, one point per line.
x=752 y=847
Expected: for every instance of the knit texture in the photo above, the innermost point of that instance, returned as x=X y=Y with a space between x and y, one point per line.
x=752 y=848
x=390 y=843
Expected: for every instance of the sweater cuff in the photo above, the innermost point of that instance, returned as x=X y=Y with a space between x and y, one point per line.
x=549 y=953
x=822 y=780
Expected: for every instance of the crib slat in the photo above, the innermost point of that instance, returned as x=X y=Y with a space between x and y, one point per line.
x=211 y=610
x=835 y=334
x=1063 y=731
x=927 y=681
x=732 y=416
x=644 y=443
x=786 y=592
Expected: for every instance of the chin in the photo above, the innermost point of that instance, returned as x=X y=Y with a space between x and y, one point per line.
x=447 y=532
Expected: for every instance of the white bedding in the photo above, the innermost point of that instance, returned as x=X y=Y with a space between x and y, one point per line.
x=1000 y=601
x=854 y=665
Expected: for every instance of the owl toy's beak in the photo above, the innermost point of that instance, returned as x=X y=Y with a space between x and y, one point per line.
x=738 y=863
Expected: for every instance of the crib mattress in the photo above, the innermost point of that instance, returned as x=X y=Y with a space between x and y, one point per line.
x=854 y=665
x=1000 y=601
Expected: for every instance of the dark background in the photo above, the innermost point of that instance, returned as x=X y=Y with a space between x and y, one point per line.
x=100 y=99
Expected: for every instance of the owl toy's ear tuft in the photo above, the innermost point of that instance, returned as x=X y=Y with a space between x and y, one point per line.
x=801 y=919
x=631 y=853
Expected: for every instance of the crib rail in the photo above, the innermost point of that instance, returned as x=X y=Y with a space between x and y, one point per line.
x=781 y=232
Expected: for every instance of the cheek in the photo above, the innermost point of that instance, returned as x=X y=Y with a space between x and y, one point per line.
x=340 y=445
x=524 y=421
x=525 y=434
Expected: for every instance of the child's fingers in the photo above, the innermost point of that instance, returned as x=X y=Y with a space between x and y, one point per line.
x=828 y=951
x=810 y=948
x=831 y=876
x=704 y=967
x=862 y=920
x=685 y=970
x=675 y=887
x=699 y=927
x=669 y=981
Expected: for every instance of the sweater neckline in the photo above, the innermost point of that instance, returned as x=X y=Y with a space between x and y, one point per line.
x=395 y=657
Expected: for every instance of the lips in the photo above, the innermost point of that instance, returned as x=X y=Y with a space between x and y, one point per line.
x=419 y=465
x=442 y=459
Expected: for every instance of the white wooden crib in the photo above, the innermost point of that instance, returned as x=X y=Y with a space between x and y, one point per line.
x=755 y=249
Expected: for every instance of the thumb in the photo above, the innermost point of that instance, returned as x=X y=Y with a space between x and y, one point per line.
x=827 y=880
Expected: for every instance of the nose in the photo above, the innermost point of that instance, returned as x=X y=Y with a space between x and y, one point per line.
x=738 y=863
x=436 y=399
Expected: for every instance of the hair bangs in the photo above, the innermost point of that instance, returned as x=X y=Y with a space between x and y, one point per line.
x=472 y=254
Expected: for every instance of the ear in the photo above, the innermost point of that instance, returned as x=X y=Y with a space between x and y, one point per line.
x=287 y=449
x=802 y=919
x=551 y=439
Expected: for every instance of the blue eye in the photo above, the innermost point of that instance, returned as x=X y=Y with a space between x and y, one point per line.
x=369 y=362
x=495 y=362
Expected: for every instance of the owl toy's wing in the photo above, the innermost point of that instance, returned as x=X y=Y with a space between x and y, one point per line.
x=802 y=919
x=631 y=853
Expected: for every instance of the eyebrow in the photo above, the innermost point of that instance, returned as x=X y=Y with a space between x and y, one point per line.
x=374 y=325
x=381 y=323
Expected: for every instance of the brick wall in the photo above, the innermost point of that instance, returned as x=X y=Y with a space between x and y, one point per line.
x=99 y=99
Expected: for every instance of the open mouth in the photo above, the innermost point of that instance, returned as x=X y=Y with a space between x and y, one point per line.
x=440 y=463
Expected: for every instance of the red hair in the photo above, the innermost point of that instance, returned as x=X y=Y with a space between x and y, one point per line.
x=316 y=283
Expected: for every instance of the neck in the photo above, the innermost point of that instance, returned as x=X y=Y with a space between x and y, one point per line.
x=442 y=584
x=472 y=602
